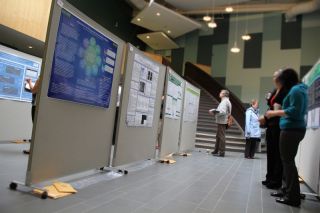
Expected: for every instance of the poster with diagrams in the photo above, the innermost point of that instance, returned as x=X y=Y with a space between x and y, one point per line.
x=191 y=103
x=174 y=97
x=312 y=80
x=143 y=90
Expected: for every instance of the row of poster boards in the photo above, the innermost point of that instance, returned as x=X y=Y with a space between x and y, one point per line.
x=76 y=104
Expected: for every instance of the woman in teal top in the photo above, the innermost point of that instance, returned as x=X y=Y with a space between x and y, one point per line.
x=293 y=128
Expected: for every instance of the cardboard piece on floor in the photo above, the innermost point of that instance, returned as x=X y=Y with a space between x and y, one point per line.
x=52 y=192
x=64 y=187
x=19 y=141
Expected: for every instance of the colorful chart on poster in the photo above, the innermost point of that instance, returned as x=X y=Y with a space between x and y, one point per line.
x=312 y=80
x=175 y=89
x=14 y=70
x=143 y=91
x=191 y=103
x=83 y=64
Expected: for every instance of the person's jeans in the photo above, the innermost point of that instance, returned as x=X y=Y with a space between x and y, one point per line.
x=289 y=143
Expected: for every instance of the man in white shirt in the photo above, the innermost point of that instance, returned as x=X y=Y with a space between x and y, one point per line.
x=222 y=114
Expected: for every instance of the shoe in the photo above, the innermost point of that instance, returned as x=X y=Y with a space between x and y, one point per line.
x=218 y=154
x=264 y=182
x=277 y=194
x=286 y=201
x=27 y=152
x=214 y=153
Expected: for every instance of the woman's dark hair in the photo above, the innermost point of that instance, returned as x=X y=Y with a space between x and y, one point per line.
x=288 y=78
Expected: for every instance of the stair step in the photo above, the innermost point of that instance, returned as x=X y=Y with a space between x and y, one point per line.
x=210 y=135
x=213 y=141
x=211 y=146
x=209 y=129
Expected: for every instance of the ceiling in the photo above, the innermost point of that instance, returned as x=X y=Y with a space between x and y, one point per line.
x=201 y=4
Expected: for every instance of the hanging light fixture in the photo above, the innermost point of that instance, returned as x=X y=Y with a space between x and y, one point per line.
x=246 y=36
x=229 y=9
x=212 y=24
x=206 y=18
x=235 y=48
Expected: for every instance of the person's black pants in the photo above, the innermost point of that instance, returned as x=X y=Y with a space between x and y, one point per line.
x=274 y=164
x=33 y=112
x=289 y=143
x=250 y=148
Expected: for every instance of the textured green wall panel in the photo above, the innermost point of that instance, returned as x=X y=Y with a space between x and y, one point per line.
x=235 y=89
x=310 y=47
x=266 y=85
x=219 y=60
x=271 y=26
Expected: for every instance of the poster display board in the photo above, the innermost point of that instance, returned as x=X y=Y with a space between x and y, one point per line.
x=312 y=80
x=189 y=118
x=83 y=63
x=174 y=94
x=15 y=68
x=191 y=103
x=170 y=131
x=143 y=91
x=69 y=138
x=15 y=105
x=135 y=140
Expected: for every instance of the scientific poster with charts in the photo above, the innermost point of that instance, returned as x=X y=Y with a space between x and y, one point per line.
x=15 y=68
x=143 y=91
x=83 y=63
x=175 y=89
x=191 y=103
x=312 y=80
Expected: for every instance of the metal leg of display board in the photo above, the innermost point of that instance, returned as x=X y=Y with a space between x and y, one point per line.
x=110 y=169
x=14 y=186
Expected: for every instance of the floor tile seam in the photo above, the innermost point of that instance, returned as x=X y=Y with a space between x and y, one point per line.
x=176 y=195
x=220 y=198
x=218 y=182
x=250 y=188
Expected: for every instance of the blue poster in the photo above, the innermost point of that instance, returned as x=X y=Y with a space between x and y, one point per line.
x=14 y=70
x=83 y=63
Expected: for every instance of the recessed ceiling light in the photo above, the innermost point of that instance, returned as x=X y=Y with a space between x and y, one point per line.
x=30 y=47
x=138 y=19
x=206 y=18
x=148 y=37
x=158 y=14
x=168 y=31
x=229 y=9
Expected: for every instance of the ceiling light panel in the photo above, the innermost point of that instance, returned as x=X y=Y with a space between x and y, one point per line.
x=156 y=17
x=158 y=41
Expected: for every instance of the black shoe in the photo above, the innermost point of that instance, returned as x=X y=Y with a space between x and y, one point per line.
x=277 y=194
x=288 y=202
x=218 y=154
x=27 y=152
x=264 y=182
x=214 y=153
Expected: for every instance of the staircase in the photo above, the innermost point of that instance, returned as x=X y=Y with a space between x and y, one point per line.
x=207 y=128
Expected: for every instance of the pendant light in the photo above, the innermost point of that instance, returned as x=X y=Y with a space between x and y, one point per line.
x=235 y=48
x=229 y=8
x=246 y=36
x=212 y=24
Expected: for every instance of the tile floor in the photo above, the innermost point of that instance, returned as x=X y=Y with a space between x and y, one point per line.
x=197 y=184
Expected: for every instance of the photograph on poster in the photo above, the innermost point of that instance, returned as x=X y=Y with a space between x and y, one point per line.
x=14 y=70
x=143 y=90
x=83 y=63
x=175 y=89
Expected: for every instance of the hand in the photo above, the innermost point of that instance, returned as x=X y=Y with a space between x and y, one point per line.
x=210 y=112
x=269 y=114
x=262 y=120
x=28 y=80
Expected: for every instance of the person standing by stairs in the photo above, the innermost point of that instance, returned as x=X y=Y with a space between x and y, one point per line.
x=252 y=130
x=222 y=114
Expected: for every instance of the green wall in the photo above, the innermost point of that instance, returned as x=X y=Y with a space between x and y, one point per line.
x=227 y=67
